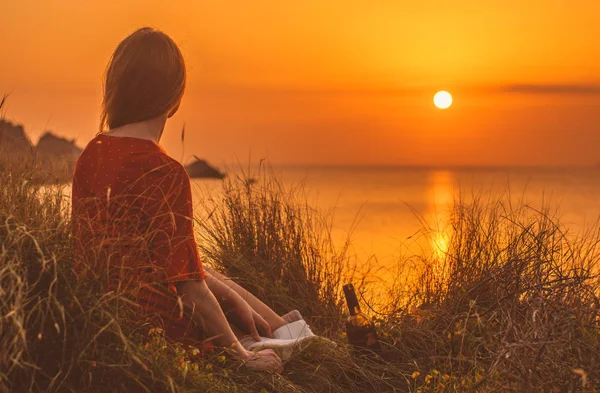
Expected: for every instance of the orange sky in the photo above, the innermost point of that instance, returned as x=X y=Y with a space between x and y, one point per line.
x=330 y=82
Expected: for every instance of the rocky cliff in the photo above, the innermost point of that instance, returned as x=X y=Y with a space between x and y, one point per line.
x=13 y=139
x=53 y=146
x=58 y=156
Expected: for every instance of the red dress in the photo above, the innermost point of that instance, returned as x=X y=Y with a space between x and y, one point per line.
x=133 y=226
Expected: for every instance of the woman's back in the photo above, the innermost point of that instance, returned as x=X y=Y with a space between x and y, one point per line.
x=132 y=213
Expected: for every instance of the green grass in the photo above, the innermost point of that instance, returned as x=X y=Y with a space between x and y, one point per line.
x=512 y=306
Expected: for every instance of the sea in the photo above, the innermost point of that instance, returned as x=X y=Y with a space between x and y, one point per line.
x=391 y=213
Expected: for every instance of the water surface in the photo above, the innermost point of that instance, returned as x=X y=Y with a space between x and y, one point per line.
x=385 y=206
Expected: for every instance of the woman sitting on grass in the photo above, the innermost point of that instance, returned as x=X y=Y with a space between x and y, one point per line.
x=133 y=218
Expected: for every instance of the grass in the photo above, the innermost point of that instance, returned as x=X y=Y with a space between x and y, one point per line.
x=511 y=306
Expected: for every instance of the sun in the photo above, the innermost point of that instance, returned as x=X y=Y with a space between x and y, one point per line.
x=442 y=99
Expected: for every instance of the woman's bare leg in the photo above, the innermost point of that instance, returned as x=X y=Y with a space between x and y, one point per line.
x=274 y=320
x=238 y=332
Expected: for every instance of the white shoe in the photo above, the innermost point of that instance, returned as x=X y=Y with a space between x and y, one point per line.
x=283 y=348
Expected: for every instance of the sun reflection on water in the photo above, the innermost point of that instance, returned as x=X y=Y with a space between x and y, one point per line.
x=441 y=194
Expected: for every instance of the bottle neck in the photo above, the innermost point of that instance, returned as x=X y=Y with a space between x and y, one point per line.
x=351 y=299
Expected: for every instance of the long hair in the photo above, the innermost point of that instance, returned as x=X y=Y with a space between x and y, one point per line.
x=145 y=79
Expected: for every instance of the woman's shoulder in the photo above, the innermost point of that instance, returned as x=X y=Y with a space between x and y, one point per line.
x=156 y=163
x=131 y=154
x=161 y=162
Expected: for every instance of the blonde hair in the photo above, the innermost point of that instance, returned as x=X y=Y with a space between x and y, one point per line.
x=145 y=78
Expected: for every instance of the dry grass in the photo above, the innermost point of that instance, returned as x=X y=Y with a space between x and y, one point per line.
x=278 y=247
x=513 y=305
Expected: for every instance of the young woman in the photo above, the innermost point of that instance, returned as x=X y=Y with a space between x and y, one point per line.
x=133 y=219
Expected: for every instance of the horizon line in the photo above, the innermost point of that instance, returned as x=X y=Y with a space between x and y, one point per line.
x=436 y=166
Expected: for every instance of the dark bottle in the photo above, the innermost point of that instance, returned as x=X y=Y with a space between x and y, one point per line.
x=359 y=327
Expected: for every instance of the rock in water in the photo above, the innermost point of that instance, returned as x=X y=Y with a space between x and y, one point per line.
x=202 y=169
